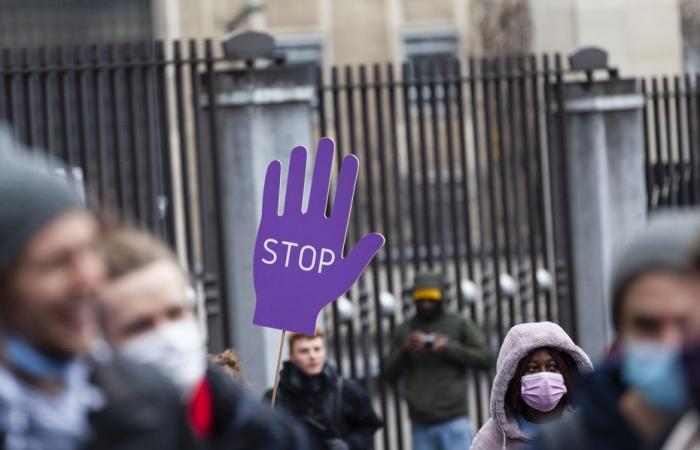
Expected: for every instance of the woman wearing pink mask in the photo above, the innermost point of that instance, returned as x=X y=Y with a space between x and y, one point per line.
x=533 y=384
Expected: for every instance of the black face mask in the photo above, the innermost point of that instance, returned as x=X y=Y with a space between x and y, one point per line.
x=431 y=313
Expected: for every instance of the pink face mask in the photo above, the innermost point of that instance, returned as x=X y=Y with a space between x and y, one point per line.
x=543 y=390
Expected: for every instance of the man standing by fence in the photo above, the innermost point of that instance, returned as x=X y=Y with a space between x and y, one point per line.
x=337 y=411
x=431 y=352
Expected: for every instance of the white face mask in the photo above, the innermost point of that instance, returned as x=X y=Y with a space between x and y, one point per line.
x=176 y=349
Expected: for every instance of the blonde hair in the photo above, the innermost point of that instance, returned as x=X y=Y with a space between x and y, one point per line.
x=127 y=250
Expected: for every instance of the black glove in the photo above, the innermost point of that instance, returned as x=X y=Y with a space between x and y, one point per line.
x=337 y=444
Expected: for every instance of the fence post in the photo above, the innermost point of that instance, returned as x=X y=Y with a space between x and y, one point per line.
x=262 y=115
x=604 y=161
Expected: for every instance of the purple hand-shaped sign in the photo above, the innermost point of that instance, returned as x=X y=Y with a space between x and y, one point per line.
x=298 y=264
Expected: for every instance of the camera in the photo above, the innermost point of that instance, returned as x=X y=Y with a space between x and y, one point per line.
x=428 y=341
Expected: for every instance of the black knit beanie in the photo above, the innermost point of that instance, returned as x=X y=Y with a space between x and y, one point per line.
x=32 y=193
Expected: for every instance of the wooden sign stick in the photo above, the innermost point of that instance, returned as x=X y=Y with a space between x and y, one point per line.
x=277 y=371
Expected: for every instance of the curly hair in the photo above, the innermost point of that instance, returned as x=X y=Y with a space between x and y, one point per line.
x=229 y=361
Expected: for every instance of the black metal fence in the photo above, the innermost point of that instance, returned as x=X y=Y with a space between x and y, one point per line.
x=463 y=172
x=126 y=116
x=672 y=140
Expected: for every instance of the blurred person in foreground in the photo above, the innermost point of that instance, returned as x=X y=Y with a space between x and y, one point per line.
x=337 y=411
x=59 y=389
x=430 y=353
x=634 y=399
x=534 y=384
x=686 y=434
x=146 y=315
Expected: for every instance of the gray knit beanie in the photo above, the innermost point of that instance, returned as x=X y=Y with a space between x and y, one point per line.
x=664 y=244
x=31 y=195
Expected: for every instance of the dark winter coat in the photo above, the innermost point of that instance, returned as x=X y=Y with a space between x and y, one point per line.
x=142 y=410
x=240 y=422
x=329 y=405
x=598 y=423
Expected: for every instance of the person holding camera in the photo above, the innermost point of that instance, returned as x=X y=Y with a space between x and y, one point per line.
x=430 y=354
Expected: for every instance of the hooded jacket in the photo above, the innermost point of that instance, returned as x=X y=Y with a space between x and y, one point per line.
x=502 y=431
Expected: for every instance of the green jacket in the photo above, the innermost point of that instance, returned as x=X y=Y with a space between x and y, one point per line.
x=435 y=383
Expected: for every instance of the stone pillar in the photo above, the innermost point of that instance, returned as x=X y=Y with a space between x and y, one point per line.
x=263 y=114
x=607 y=194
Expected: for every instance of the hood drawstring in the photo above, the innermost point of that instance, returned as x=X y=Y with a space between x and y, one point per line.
x=504 y=439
